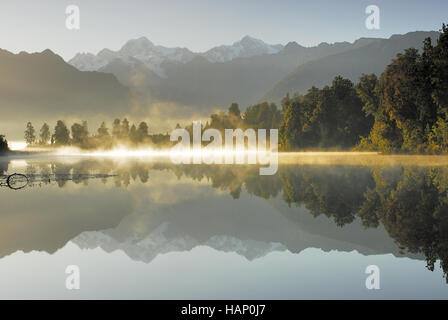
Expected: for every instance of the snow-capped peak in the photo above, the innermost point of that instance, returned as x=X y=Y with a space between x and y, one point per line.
x=249 y=40
x=145 y=247
x=88 y=61
x=140 y=49
x=136 y=47
x=153 y=55
x=246 y=47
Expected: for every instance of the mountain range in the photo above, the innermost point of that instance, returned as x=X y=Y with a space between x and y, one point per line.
x=144 y=79
x=290 y=228
x=155 y=56
x=246 y=72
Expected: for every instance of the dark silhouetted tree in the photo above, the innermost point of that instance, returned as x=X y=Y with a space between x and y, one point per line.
x=103 y=131
x=142 y=132
x=30 y=134
x=44 y=134
x=80 y=134
x=234 y=109
x=331 y=117
x=3 y=145
x=61 y=134
x=116 y=128
x=262 y=116
x=133 y=134
x=124 y=133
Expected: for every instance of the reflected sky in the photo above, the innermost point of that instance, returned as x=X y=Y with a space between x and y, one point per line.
x=154 y=230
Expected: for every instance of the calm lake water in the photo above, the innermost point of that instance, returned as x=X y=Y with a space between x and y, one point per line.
x=153 y=230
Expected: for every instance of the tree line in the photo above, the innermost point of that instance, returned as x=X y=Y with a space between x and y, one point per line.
x=263 y=115
x=258 y=116
x=404 y=110
x=78 y=134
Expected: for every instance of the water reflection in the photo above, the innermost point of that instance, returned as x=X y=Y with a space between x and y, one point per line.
x=147 y=208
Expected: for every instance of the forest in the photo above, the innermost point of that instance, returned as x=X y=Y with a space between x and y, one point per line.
x=402 y=111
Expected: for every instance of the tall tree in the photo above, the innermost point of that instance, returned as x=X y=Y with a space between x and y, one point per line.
x=331 y=117
x=124 y=128
x=103 y=131
x=234 y=109
x=262 y=116
x=116 y=128
x=3 y=144
x=80 y=133
x=290 y=128
x=30 y=134
x=367 y=89
x=133 y=134
x=142 y=131
x=44 y=134
x=439 y=79
x=61 y=134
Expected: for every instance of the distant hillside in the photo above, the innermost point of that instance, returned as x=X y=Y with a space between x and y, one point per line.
x=243 y=80
x=351 y=64
x=44 y=85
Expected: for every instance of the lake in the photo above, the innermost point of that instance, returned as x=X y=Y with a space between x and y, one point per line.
x=149 y=229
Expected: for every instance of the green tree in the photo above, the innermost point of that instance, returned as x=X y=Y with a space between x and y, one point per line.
x=44 y=134
x=124 y=129
x=285 y=102
x=406 y=98
x=222 y=120
x=439 y=78
x=30 y=134
x=116 y=128
x=142 y=132
x=290 y=127
x=133 y=134
x=262 y=116
x=61 y=134
x=235 y=109
x=80 y=133
x=367 y=89
x=3 y=145
x=103 y=131
x=331 y=117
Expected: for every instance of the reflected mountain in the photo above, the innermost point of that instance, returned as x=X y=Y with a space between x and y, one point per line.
x=150 y=208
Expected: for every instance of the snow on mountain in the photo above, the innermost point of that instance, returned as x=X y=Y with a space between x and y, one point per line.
x=140 y=49
x=146 y=247
x=246 y=47
x=153 y=55
x=87 y=62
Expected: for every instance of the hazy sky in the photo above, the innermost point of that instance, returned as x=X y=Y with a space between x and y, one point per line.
x=201 y=24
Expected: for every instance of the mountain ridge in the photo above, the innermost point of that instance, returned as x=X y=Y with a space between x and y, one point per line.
x=154 y=55
x=205 y=85
x=371 y=57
